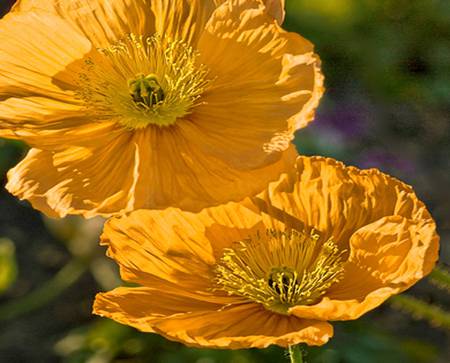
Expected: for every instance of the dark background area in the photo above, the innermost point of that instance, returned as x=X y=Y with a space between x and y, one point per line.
x=387 y=68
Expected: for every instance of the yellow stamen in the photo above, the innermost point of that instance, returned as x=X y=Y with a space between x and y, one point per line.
x=281 y=269
x=143 y=81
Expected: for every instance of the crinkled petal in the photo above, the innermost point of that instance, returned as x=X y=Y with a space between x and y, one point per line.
x=396 y=250
x=39 y=113
x=184 y=176
x=202 y=324
x=47 y=123
x=173 y=246
x=86 y=134
x=151 y=246
x=336 y=200
x=266 y=83
x=78 y=180
x=102 y=22
x=242 y=326
x=330 y=309
x=118 y=171
x=386 y=257
x=275 y=8
x=8 y=134
x=142 y=307
x=38 y=103
x=355 y=295
x=30 y=58
x=182 y=19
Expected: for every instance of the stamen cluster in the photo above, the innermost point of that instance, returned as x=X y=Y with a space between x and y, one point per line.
x=281 y=269
x=141 y=81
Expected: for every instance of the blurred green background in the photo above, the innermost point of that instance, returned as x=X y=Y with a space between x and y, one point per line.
x=387 y=67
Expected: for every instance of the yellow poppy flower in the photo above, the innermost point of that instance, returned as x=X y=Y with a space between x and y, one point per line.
x=326 y=242
x=148 y=104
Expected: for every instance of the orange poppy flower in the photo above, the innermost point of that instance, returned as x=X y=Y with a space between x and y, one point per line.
x=148 y=104
x=326 y=242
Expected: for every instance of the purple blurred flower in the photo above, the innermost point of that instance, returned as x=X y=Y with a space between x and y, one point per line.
x=386 y=161
x=350 y=119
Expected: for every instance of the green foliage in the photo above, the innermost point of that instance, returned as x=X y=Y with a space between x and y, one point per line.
x=362 y=341
x=10 y=151
x=8 y=264
x=390 y=46
x=45 y=293
x=441 y=278
x=422 y=310
x=105 y=341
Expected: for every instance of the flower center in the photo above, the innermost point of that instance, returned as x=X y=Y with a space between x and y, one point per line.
x=281 y=269
x=142 y=81
x=146 y=91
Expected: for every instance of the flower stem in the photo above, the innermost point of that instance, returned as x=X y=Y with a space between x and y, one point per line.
x=296 y=354
x=51 y=289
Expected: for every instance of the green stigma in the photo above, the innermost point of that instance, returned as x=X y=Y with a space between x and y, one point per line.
x=146 y=90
